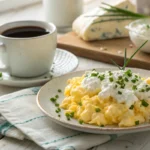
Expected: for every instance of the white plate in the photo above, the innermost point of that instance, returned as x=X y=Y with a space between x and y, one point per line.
x=51 y=89
x=64 y=62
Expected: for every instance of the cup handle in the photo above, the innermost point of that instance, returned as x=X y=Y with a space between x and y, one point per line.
x=3 y=50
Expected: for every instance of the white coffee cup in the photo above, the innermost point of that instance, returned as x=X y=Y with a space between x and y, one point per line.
x=31 y=56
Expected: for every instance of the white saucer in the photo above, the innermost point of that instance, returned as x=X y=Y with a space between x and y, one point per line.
x=64 y=62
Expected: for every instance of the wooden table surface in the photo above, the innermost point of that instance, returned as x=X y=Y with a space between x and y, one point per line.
x=138 y=141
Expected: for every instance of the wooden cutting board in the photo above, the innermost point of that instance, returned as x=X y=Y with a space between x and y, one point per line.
x=104 y=50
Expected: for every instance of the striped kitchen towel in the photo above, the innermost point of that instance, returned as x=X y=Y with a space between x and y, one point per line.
x=23 y=119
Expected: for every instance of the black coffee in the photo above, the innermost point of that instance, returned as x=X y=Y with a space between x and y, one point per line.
x=25 y=32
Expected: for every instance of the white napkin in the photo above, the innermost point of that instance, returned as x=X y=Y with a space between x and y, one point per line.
x=23 y=119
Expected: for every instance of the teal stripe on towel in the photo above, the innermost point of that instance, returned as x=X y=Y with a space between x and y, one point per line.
x=24 y=122
x=4 y=126
x=24 y=95
x=64 y=138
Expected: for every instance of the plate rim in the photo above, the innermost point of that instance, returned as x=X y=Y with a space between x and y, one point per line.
x=103 y=130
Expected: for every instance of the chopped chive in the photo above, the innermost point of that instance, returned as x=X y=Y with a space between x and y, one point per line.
x=128 y=73
x=68 y=119
x=102 y=125
x=67 y=116
x=56 y=96
x=120 y=77
x=122 y=86
x=147 y=89
x=94 y=74
x=1 y=74
x=111 y=79
x=134 y=87
x=119 y=92
x=116 y=86
x=141 y=90
x=137 y=122
x=59 y=115
x=133 y=80
x=131 y=107
x=148 y=26
x=144 y=103
x=57 y=105
x=56 y=111
x=53 y=99
x=72 y=114
x=110 y=73
x=81 y=121
x=101 y=77
x=97 y=109
x=120 y=82
x=59 y=90
x=59 y=109
x=80 y=103
x=126 y=79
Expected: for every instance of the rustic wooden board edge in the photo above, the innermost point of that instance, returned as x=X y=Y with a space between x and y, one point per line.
x=104 y=58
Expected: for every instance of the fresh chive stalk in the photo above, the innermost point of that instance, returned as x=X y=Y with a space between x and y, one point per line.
x=126 y=61
x=117 y=14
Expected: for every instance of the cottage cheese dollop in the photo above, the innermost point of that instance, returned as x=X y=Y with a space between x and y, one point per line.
x=123 y=86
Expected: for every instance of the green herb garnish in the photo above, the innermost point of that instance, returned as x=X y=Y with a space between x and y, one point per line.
x=59 y=90
x=53 y=99
x=147 y=89
x=148 y=26
x=102 y=125
x=119 y=92
x=128 y=73
x=134 y=87
x=116 y=86
x=80 y=103
x=131 y=107
x=126 y=79
x=81 y=121
x=56 y=96
x=67 y=116
x=110 y=73
x=95 y=74
x=141 y=90
x=101 y=77
x=117 y=14
x=97 y=109
x=122 y=86
x=126 y=61
x=57 y=105
x=120 y=77
x=72 y=114
x=111 y=79
x=137 y=122
x=58 y=110
x=133 y=80
x=144 y=103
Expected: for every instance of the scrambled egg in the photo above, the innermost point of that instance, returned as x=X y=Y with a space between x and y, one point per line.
x=89 y=104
